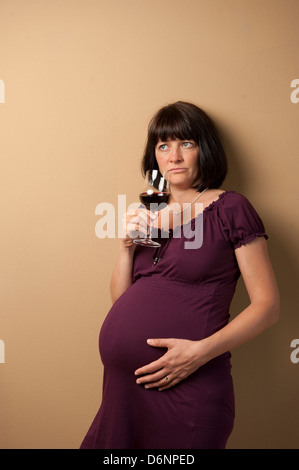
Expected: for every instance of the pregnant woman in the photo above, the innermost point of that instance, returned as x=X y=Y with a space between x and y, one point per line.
x=165 y=344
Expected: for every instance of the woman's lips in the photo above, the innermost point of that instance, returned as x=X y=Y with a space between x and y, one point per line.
x=178 y=170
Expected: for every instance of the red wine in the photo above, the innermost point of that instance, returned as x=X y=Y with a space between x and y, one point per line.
x=154 y=198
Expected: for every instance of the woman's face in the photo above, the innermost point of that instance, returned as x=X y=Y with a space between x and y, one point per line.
x=179 y=158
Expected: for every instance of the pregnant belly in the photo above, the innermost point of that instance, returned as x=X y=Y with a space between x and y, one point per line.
x=151 y=309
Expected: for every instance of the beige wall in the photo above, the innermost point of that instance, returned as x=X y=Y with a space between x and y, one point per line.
x=79 y=81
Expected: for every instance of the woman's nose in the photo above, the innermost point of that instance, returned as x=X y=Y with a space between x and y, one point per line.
x=175 y=154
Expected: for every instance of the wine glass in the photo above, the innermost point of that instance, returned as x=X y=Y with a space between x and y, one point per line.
x=155 y=197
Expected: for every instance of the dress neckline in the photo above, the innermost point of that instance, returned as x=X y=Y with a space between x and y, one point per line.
x=209 y=208
x=215 y=203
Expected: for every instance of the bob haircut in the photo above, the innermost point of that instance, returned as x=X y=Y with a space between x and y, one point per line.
x=185 y=121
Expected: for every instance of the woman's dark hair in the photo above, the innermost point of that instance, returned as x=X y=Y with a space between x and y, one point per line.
x=185 y=121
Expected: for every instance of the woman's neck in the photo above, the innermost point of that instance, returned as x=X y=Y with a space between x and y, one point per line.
x=183 y=196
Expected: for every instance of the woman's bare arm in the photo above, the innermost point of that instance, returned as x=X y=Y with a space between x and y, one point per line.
x=264 y=307
x=122 y=274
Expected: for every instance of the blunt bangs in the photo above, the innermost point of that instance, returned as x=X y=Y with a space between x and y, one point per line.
x=171 y=124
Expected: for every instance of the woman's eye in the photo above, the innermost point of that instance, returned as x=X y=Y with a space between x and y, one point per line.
x=187 y=144
x=162 y=147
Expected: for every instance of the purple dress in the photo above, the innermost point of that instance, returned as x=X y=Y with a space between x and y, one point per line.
x=186 y=294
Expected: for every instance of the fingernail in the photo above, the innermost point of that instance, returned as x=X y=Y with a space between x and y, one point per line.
x=150 y=341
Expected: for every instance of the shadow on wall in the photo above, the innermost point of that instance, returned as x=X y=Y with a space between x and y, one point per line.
x=266 y=381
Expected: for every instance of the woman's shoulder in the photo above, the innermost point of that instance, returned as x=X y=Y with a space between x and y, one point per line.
x=224 y=198
x=238 y=219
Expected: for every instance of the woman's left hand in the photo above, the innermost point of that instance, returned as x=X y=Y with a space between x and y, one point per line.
x=182 y=359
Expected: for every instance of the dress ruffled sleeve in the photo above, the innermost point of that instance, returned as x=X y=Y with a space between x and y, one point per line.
x=240 y=221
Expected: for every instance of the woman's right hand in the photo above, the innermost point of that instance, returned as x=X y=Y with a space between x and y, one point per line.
x=135 y=225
